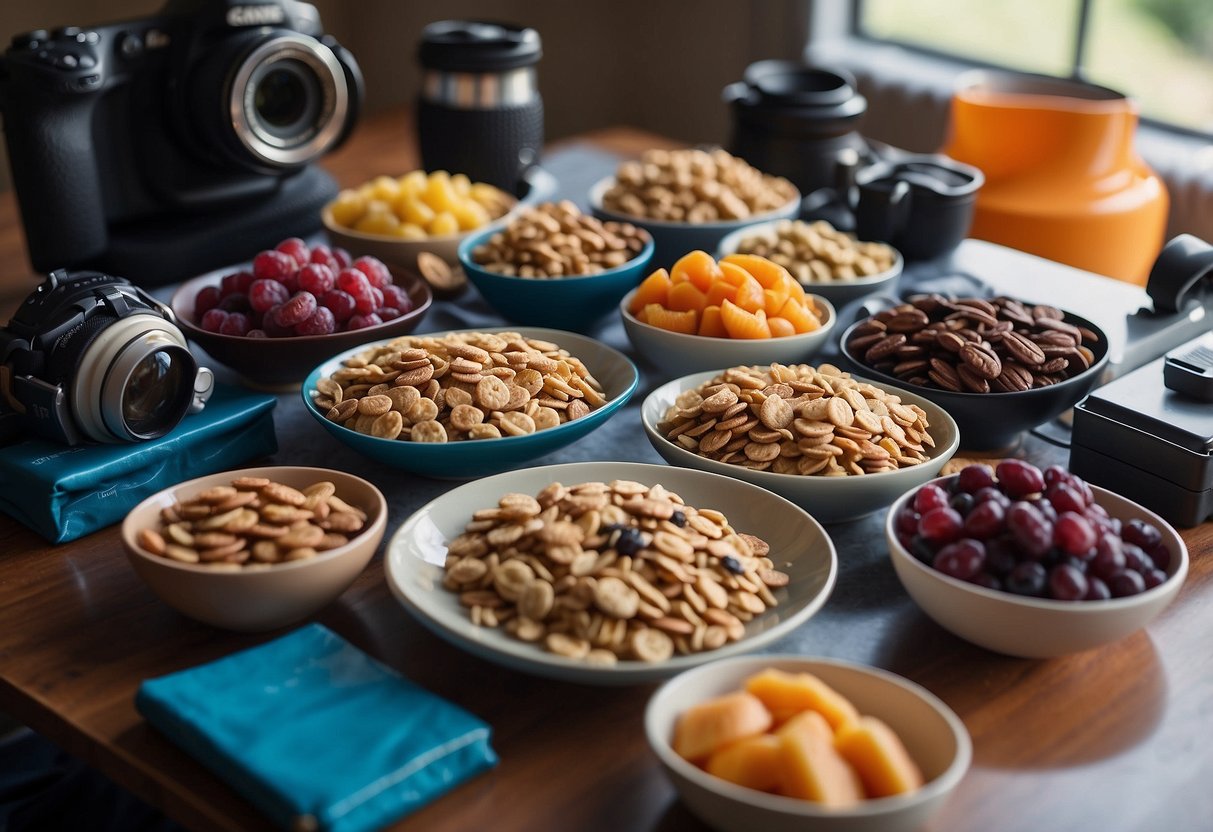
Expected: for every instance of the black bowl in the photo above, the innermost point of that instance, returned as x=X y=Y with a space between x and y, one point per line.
x=993 y=421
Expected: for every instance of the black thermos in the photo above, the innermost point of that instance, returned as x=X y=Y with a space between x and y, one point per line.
x=480 y=112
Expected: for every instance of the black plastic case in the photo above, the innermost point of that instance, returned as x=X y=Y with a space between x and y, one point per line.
x=1150 y=444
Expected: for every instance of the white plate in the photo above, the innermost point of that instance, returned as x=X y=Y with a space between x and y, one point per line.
x=799 y=546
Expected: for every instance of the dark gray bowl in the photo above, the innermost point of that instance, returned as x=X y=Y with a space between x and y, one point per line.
x=992 y=421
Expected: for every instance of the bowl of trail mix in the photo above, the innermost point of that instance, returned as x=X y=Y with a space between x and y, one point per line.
x=610 y=572
x=462 y=404
x=837 y=445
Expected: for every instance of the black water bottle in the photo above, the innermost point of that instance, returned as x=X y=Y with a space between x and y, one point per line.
x=480 y=112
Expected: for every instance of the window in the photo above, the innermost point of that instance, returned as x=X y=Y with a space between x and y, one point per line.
x=1160 y=52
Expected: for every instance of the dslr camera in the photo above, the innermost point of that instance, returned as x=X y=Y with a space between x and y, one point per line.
x=136 y=146
x=92 y=358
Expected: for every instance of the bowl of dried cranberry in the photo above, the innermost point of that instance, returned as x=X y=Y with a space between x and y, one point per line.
x=1033 y=563
x=294 y=306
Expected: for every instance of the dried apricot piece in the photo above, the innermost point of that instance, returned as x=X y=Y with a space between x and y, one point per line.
x=685 y=295
x=879 y=757
x=801 y=316
x=780 y=327
x=698 y=267
x=720 y=290
x=710 y=324
x=653 y=289
x=767 y=272
x=752 y=762
x=733 y=274
x=658 y=316
x=740 y=323
x=750 y=296
x=773 y=300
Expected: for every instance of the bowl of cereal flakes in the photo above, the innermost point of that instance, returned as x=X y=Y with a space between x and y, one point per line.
x=255 y=549
x=460 y=404
x=825 y=261
x=690 y=199
x=610 y=573
x=551 y=265
x=836 y=445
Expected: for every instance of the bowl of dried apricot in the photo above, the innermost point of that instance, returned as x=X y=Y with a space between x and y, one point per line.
x=706 y=315
x=255 y=549
x=786 y=743
x=454 y=405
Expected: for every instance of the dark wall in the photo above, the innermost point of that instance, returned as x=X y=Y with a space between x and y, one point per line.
x=656 y=64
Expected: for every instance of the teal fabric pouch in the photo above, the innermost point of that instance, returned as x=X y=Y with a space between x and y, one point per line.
x=317 y=734
x=64 y=493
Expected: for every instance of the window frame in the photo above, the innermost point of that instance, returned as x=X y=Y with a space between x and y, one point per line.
x=1077 y=71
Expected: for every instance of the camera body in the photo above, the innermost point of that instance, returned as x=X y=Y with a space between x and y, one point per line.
x=91 y=357
x=209 y=106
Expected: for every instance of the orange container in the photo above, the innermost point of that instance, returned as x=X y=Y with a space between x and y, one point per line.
x=1062 y=178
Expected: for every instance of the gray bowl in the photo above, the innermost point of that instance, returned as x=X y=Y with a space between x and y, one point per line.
x=674 y=239
x=829 y=499
x=838 y=292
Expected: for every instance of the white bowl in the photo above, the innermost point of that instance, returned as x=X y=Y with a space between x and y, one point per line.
x=934 y=736
x=678 y=354
x=829 y=499
x=417 y=552
x=1037 y=628
x=837 y=292
x=674 y=239
x=257 y=598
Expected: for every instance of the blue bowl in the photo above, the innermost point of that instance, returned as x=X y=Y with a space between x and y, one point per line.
x=674 y=239
x=568 y=303
x=478 y=457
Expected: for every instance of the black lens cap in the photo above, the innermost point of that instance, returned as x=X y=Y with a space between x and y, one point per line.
x=478 y=46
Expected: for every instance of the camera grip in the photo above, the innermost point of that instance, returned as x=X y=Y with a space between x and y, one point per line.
x=51 y=154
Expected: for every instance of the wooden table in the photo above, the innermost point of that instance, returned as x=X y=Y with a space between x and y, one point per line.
x=1112 y=739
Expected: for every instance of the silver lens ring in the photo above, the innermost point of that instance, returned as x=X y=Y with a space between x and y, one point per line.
x=105 y=368
x=326 y=128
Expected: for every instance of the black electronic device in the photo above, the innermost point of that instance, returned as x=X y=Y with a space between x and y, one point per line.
x=1151 y=441
x=125 y=138
x=480 y=112
x=91 y=357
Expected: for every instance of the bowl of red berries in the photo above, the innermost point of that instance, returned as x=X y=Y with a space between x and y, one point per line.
x=1033 y=563
x=294 y=306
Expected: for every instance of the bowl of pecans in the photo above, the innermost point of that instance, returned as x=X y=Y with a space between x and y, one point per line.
x=255 y=549
x=838 y=446
x=690 y=199
x=610 y=572
x=454 y=405
x=553 y=266
x=999 y=366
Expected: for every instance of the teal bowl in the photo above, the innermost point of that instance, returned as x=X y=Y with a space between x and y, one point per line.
x=479 y=457
x=569 y=303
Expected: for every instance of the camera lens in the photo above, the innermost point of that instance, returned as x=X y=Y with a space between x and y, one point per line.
x=155 y=392
x=289 y=100
x=134 y=381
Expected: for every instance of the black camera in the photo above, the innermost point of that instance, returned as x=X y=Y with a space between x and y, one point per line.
x=90 y=357
x=165 y=132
